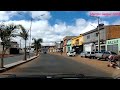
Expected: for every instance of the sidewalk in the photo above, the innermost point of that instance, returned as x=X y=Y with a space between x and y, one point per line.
x=101 y=65
x=7 y=55
x=12 y=65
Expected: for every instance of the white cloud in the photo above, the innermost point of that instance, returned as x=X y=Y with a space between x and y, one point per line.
x=5 y=15
x=40 y=14
x=50 y=34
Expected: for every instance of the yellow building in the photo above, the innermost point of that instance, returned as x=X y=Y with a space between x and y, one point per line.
x=77 y=40
x=77 y=43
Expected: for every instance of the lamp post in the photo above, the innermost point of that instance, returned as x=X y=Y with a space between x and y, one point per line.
x=30 y=38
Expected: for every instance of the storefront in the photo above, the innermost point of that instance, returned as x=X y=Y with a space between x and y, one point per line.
x=89 y=47
x=113 y=45
x=77 y=44
x=78 y=49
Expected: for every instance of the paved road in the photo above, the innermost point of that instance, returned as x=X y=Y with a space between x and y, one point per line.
x=47 y=64
x=15 y=58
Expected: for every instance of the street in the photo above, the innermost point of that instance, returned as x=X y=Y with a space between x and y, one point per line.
x=47 y=64
x=15 y=58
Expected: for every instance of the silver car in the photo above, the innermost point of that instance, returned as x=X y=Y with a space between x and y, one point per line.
x=83 y=54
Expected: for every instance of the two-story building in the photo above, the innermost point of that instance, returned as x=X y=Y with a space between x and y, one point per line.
x=65 y=39
x=113 y=38
x=106 y=33
x=77 y=43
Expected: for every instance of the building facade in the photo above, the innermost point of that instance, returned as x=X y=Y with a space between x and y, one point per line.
x=113 y=45
x=51 y=49
x=14 y=48
x=106 y=33
x=65 y=39
x=77 y=44
x=69 y=46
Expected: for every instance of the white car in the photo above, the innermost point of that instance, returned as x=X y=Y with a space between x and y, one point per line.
x=71 y=53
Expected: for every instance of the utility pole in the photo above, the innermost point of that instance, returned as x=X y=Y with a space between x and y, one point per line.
x=98 y=35
x=98 y=32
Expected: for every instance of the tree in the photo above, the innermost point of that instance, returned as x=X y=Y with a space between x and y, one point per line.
x=24 y=35
x=37 y=44
x=6 y=32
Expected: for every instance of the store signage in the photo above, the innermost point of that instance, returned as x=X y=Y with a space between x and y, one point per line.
x=113 y=42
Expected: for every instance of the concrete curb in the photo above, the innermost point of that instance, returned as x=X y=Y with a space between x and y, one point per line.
x=12 y=65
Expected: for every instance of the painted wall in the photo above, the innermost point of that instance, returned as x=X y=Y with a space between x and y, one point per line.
x=68 y=47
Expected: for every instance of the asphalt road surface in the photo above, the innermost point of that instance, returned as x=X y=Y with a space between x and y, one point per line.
x=49 y=64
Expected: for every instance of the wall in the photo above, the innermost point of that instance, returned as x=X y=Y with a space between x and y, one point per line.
x=113 y=32
x=74 y=40
x=93 y=37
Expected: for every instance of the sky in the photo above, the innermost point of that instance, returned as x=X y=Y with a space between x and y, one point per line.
x=53 y=26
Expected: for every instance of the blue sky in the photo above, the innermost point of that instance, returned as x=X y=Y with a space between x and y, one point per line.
x=68 y=17
x=54 y=25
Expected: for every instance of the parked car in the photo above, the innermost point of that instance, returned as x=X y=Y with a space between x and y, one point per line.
x=83 y=54
x=104 y=55
x=91 y=55
x=97 y=54
x=87 y=55
x=71 y=53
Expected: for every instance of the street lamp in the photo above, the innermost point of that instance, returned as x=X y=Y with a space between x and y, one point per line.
x=30 y=38
x=98 y=32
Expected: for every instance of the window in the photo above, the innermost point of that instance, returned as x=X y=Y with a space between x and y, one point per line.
x=96 y=34
x=92 y=52
x=113 y=53
x=88 y=37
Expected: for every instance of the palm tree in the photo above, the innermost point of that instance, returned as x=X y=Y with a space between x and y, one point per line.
x=24 y=35
x=6 y=32
x=37 y=44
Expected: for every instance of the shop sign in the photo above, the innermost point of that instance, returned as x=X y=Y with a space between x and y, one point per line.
x=113 y=42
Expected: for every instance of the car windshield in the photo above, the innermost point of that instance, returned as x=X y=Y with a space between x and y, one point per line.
x=58 y=42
